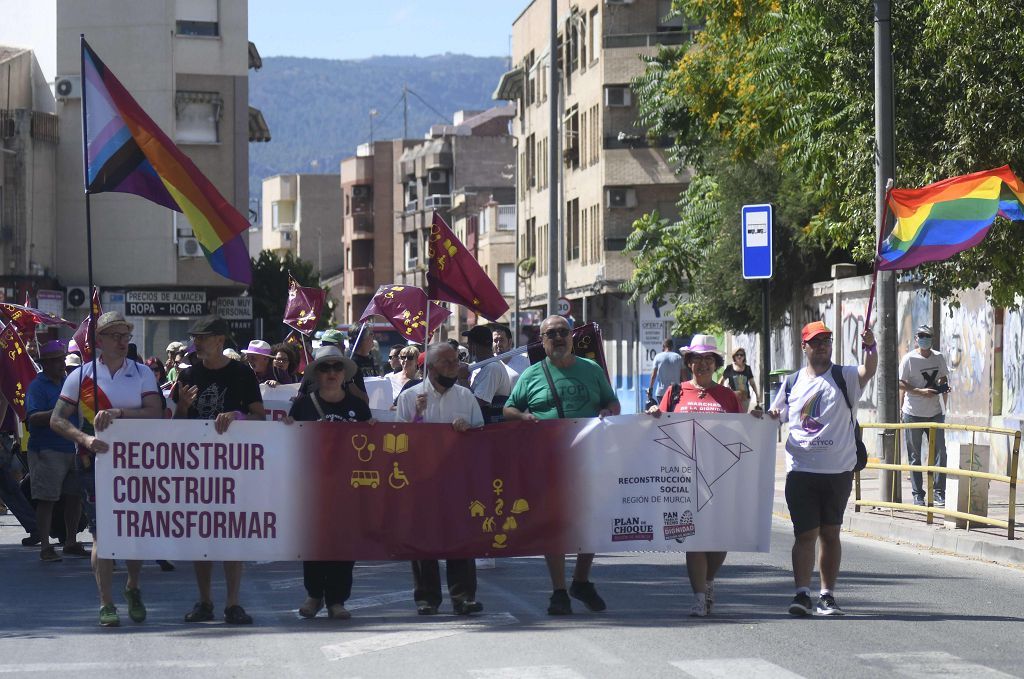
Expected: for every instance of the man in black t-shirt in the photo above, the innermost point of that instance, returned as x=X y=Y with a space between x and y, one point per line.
x=221 y=389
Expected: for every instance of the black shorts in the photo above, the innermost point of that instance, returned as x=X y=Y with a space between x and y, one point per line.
x=817 y=500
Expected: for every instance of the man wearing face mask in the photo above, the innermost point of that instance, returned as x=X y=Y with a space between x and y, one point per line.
x=440 y=399
x=923 y=377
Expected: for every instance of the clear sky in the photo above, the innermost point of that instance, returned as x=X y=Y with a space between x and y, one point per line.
x=356 y=29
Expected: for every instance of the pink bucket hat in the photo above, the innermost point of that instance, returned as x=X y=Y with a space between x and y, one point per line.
x=258 y=347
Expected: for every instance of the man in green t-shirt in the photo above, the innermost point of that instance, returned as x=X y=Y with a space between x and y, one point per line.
x=582 y=390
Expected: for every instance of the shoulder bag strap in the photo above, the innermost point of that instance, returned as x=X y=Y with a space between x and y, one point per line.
x=840 y=380
x=316 y=404
x=554 y=392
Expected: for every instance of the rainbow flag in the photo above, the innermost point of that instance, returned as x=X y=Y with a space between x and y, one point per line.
x=126 y=152
x=937 y=221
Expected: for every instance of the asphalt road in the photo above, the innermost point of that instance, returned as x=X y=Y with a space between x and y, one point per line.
x=909 y=614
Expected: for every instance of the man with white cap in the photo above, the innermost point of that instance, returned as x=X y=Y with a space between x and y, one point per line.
x=51 y=458
x=820 y=402
x=217 y=388
x=923 y=377
x=119 y=389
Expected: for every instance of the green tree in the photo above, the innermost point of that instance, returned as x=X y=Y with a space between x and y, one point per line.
x=269 y=291
x=774 y=100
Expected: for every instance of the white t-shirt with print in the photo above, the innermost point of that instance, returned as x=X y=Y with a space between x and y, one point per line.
x=821 y=437
x=923 y=373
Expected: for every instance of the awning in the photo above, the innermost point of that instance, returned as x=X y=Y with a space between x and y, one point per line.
x=255 y=60
x=510 y=87
x=258 y=130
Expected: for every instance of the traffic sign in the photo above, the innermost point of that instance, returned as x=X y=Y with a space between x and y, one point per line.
x=563 y=306
x=757 y=241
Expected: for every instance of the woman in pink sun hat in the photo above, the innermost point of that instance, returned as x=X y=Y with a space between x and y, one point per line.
x=700 y=395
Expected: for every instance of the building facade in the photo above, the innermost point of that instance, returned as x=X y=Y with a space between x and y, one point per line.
x=610 y=171
x=186 y=62
x=457 y=170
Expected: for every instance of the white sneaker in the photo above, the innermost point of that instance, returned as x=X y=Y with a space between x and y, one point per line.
x=310 y=607
x=699 y=609
x=709 y=596
x=485 y=563
x=338 y=612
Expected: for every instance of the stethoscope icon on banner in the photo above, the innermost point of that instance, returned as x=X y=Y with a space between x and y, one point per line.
x=360 y=443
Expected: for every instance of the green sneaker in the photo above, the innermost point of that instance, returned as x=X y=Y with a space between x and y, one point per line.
x=109 y=617
x=136 y=609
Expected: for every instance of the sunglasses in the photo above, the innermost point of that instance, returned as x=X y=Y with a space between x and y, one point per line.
x=561 y=332
x=404 y=358
x=331 y=367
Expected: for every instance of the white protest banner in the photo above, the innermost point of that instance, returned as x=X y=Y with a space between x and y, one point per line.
x=347 y=491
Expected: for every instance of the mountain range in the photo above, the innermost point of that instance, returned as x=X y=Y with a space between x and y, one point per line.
x=318 y=110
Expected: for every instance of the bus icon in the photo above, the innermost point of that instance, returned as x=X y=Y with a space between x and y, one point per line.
x=365 y=478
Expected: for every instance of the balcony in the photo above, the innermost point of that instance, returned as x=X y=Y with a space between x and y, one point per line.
x=359 y=279
x=284 y=226
x=362 y=224
x=647 y=39
x=412 y=206
x=437 y=200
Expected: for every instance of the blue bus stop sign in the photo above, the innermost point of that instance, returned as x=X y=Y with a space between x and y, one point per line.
x=757 y=241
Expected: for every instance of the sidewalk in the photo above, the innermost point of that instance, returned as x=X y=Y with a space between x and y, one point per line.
x=980 y=542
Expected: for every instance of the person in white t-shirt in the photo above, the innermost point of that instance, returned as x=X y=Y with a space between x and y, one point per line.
x=923 y=377
x=820 y=455
x=491 y=383
x=501 y=341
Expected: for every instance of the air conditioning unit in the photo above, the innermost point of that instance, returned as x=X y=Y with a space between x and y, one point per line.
x=623 y=198
x=77 y=296
x=68 y=87
x=188 y=246
x=437 y=176
x=361 y=191
x=618 y=95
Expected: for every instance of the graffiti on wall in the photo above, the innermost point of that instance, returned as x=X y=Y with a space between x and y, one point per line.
x=853 y=311
x=915 y=310
x=1013 y=363
x=967 y=343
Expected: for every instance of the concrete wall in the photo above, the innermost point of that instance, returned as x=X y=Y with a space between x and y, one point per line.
x=318 y=221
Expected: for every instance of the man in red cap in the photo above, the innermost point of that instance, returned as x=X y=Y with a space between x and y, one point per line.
x=819 y=403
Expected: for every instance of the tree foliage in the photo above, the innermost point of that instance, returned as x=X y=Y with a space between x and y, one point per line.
x=269 y=291
x=774 y=101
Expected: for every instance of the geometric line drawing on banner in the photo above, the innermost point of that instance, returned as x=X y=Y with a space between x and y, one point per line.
x=712 y=457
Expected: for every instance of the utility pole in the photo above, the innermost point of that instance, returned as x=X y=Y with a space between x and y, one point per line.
x=405 y=111
x=885 y=169
x=554 y=160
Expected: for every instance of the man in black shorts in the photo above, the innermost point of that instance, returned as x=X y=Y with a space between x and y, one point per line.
x=221 y=389
x=820 y=455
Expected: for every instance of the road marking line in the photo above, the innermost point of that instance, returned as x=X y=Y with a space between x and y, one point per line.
x=438 y=630
x=128 y=666
x=722 y=668
x=379 y=600
x=931 y=664
x=279 y=585
x=534 y=672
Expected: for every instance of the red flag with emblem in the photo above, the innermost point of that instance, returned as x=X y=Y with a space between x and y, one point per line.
x=304 y=307
x=81 y=335
x=16 y=369
x=26 y=318
x=453 y=275
x=405 y=308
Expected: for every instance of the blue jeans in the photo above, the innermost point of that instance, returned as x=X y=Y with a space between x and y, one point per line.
x=914 y=453
x=10 y=491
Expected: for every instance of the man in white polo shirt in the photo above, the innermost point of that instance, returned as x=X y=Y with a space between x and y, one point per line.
x=122 y=389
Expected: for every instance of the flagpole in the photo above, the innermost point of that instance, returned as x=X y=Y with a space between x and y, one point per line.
x=878 y=249
x=359 y=335
x=426 y=345
x=88 y=230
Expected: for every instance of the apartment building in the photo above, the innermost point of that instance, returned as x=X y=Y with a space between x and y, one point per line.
x=457 y=170
x=610 y=171
x=186 y=62
x=28 y=161
x=372 y=198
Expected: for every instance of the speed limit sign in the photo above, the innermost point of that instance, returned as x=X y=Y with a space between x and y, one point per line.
x=563 y=306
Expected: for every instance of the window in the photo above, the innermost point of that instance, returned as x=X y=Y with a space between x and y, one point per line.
x=595 y=134
x=282 y=214
x=666 y=20
x=411 y=250
x=572 y=229
x=584 y=140
x=531 y=161
x=595 y=234
x=530 y=93
x=571 y=144
x=507 y=279
x=592 y=41
x=197 y=18
x=585 y=237
x=618 y=95
x=197 y=117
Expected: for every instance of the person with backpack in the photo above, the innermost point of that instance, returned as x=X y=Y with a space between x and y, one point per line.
x=700 y=395
x=822 y=451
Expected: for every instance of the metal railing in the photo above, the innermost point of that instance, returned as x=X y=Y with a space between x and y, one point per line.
x=931 y=468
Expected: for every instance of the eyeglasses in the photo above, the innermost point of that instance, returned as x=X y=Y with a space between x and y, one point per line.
x=819 y=341
x=117 y=336
x=394 y=356
x=331 y=367
x=561 y=332
x=404 y=358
